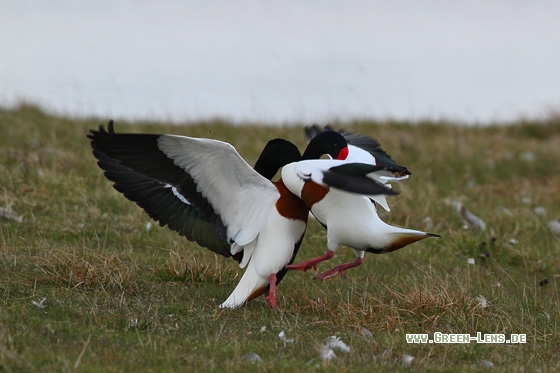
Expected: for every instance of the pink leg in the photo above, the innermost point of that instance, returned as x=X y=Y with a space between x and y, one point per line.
x=311 y=263
x=271 y=294
x=338 y=269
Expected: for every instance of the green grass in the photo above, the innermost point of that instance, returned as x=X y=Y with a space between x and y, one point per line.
x=123 y=298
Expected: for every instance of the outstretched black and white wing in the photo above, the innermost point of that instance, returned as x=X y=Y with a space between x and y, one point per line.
x=166 y=205
x=201 y=188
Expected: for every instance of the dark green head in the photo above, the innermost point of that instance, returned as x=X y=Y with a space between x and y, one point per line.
x=328 y=142
x=276 y=154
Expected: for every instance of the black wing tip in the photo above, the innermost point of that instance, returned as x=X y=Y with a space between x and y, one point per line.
x=434 y=235
x=398 y=171
x=352 y=177
x=315 y=129
x=362 y=141
x=392 y=192
x=101 y=130
x=357 y=184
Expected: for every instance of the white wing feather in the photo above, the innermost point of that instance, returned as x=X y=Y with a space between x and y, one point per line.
x=381 y=199
x=241 y=196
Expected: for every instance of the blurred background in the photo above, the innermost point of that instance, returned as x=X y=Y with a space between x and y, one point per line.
x=272 y=62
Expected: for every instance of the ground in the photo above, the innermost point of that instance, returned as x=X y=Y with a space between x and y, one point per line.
x=89 y=283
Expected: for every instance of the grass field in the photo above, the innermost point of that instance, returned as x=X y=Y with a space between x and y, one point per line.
x=121 y=297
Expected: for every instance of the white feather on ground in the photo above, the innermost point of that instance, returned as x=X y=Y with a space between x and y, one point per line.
x=40 y=304
x=283 y=338
x=327 y=353
x=335 y=342
x=469 y=218
x=472 y=220
x=554 y=226
x=407 y=359
x=8 y=214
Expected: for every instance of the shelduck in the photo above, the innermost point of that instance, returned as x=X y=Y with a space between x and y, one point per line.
x=351 y=219
x=204 y=190
x=364 y=149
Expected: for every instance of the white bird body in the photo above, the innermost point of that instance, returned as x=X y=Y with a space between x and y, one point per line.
x=357 y=154
x=350 y=219
x=268 y=260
